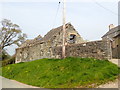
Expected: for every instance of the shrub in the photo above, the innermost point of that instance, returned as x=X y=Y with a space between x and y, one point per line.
x=10 y=60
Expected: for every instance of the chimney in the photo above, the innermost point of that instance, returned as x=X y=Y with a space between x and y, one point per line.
x=111 y=26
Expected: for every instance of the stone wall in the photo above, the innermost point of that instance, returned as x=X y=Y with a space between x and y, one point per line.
x=95 y=49
x=42 y=47
x=38 y=51
x=116 y=48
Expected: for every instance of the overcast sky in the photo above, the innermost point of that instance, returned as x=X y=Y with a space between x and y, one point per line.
x=91 y=19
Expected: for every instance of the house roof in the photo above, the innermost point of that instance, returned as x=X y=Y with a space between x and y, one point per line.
x=113 y=30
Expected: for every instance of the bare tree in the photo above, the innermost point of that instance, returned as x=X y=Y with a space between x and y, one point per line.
x=10 y=34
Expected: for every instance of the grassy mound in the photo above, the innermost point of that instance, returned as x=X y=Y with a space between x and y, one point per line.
x=66 y=73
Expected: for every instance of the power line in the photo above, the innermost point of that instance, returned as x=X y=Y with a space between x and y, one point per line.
x=106 y=8
x=54 y=21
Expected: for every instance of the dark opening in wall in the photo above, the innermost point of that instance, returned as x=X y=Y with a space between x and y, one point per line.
x=21 y=52
x=66 y=27
x=72 y=38
x=59 y=33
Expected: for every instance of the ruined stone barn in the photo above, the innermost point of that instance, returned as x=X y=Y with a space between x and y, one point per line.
x=50 y=46
x=41 y=47
x=112 y=37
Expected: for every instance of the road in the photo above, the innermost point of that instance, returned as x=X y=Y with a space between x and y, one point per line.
x=115 y=83
x=115 y=61
x=110 y=85
x=7 y=83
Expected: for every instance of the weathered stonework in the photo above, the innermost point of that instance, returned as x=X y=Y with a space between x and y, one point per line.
x=42 y=47
x=95 y=49
x=112 y=37
x=50 y=46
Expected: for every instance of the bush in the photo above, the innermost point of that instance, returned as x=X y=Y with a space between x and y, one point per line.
x=4 y=55
x=10 y=60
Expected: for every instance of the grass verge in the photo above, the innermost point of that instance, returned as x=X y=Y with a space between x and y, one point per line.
x=67 y=73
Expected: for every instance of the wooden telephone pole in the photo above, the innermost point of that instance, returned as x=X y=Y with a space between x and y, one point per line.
x=64 y=31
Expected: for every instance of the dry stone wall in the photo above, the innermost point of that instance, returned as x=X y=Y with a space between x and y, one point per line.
x=35 y=52
x=96 y=49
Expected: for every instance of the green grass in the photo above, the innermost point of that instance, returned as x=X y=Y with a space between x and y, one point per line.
x=66 y=73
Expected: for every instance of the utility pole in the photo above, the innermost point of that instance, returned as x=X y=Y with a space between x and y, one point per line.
x=64 y=31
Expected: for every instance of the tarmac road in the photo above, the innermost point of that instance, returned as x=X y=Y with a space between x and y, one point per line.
x=7 y=83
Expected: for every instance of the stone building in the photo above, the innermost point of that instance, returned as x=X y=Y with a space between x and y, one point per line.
x=42 y=47
x=112 y=37
x=50 y=46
